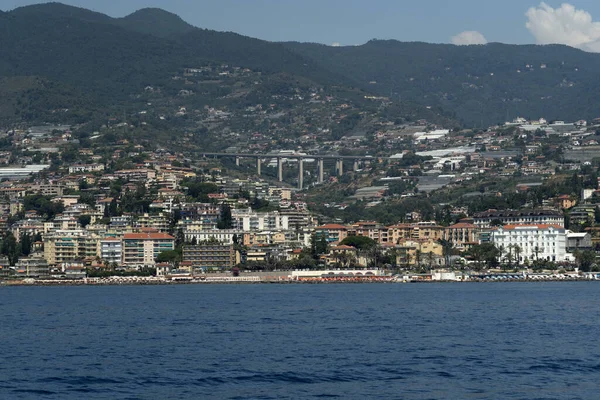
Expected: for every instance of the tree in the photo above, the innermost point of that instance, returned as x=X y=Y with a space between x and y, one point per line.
x=585 y=259
x=446 y=250
x=485 y=253
x=517 y=250
x=179 y=238
x=25 y=242
x=10 y=248
x=84 y=220
x=112 y=209
x=430 y=257
x=359 y=242
x=168 y=256
x=225 y=219
x=318 y=246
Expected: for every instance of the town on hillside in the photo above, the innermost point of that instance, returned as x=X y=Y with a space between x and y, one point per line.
x=414 y=201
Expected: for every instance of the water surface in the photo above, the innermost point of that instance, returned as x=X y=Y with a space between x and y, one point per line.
x=394 y=341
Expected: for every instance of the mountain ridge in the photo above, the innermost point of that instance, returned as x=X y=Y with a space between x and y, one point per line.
x=494 y=79
x=481 y=84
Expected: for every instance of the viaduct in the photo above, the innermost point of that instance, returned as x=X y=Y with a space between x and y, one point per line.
x=339 y=162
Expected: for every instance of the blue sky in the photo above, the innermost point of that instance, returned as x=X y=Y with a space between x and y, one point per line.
x=350 y=22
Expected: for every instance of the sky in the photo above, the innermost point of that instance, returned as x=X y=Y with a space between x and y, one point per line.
x=354 y=22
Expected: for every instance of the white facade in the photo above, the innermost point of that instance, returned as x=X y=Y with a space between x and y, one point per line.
x=523 y=217
x=250 y=221
x=535 y=242
x=111 y=250
x=224 y=236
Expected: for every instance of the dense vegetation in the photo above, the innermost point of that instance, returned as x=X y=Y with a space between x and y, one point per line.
x=117 y=58
x=480 y=84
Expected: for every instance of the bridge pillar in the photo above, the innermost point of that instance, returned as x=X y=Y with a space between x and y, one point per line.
x=300 y=173
x=258 y=163
x=320 y=166
x=237 y=161
x=355 y=166
x=280 y=169
x=340 y=166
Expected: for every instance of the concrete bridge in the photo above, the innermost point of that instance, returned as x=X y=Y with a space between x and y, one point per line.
x=339 y=162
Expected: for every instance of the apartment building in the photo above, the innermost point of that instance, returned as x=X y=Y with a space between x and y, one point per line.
x=142 y=249
x=110 y=250
x=462 y=233
x=67 y=245
x=211 y=256
x=225 y=236
x=248 y=220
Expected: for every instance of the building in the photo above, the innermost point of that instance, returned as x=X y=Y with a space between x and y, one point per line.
x=372 y=230
x=75 y=169
x=579 y=241
x=582 y=214
x=32 y=267
x=248 y=220
x=110 y=250
x=528 y=243
x=48 y=189
x=68 y=245
x=332 y=232
x=142 y=249
x=419 y=252
x=519 y=217
x=418 y=231
x=225 y=236
x=211 y=256
x=461 y=233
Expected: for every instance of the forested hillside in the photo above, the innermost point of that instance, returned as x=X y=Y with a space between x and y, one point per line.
x=483 y=83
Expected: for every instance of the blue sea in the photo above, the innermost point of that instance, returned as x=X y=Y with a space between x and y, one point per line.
x=355 y=341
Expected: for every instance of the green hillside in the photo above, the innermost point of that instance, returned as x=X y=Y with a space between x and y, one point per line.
x=492 y=82
x=156 y=22
x=113 y=60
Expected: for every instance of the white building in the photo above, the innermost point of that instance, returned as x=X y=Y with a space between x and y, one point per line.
x=224 y=236
x=250 y=221
x=532 y=242
x=73 y=169
x=111 y=250
x=519 y=217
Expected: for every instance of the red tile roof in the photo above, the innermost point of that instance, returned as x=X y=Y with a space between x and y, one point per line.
x=150 y=236
x=538 y=226
x=462 y=225
x=332 y=226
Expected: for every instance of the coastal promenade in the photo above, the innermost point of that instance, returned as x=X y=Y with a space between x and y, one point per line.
x=280 y=278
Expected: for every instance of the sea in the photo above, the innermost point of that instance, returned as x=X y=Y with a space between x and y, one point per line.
x=301 y=341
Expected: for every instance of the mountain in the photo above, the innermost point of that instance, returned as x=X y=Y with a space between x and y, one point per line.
x=480 y=84
x=59 y=10
x=74 y=51
x=156 y=22
x=114 y=57
x=26 y=98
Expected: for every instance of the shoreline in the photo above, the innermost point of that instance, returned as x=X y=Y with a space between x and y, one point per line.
x=164 y=282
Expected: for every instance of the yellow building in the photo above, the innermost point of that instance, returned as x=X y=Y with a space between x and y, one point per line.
x=419 y=252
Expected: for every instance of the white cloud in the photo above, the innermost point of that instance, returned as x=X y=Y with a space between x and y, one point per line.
x=468 y=38
x=564 y=25
x=335 y=44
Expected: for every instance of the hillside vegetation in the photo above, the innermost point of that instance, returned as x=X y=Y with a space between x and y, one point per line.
x=480 y=84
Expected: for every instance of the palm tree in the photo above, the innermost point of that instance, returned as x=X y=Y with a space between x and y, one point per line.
x=501 y=251
x=430 y=260
x=509 y=255
x=446 y=250
x=517 y=250
x=408 y=258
